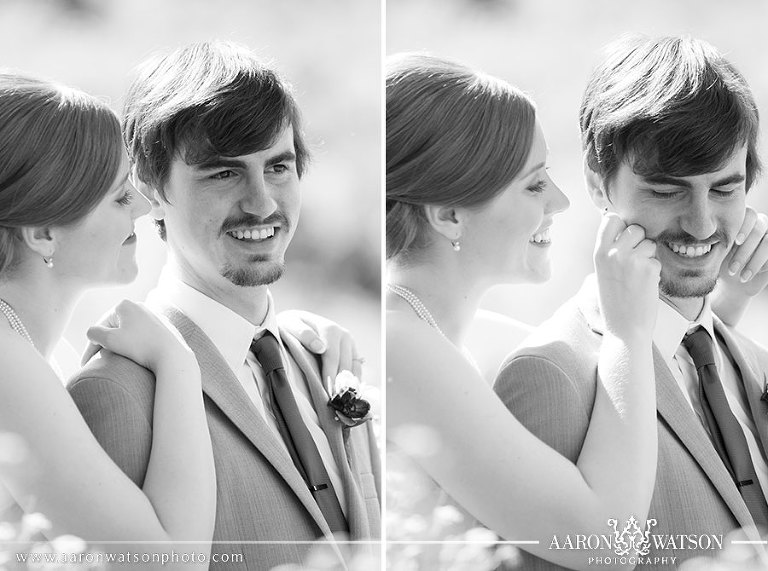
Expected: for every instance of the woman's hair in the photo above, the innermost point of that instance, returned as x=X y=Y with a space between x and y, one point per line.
x=455 y=137
x=60 y=151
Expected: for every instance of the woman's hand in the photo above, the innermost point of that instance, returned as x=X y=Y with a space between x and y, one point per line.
x=628 y=278
x=744 y=272
x=133 y=331
x=324 y=337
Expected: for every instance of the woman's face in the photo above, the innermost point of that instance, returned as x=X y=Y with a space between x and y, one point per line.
x=507 y=239
x=101 y=248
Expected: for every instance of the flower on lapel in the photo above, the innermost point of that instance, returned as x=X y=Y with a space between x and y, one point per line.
x=347 y=400
x=764 y=398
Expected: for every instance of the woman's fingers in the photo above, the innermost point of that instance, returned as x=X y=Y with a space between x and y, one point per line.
x=630 y=237
x=749 y=257
x=309 y=338
x=611 y=226
x=746 y=227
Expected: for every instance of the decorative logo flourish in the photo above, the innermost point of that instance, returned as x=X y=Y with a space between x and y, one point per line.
x=632 y=538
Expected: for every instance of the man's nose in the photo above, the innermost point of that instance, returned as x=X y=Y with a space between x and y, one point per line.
x=257 y=198
x=698 y=220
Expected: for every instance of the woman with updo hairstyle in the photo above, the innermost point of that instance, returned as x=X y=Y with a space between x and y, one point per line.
x=67 y=212
x=469 y=205
x=43 y=148
x=473 y=136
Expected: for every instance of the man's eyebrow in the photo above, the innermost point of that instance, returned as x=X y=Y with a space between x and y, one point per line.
x=730 y=179
x=662 y=179
x=284 y=157
x=220 y=162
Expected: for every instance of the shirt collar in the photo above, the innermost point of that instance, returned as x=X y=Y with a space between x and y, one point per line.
x=671 y=327
x=229 y=332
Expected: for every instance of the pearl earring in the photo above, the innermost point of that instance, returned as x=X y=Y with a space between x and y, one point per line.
x=48 y=261
x=456 y=245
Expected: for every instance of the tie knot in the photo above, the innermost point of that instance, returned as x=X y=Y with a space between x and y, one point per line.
x=267 y=352
x=699 y=345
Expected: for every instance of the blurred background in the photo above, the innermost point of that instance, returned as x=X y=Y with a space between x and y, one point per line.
x=329 y=52
x=548 y=48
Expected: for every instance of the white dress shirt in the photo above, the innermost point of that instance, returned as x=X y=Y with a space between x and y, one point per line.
x=232 y=334
x=671 y=327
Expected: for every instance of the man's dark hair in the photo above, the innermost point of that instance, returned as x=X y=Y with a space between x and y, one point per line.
x=202 y=101
x=671 y=105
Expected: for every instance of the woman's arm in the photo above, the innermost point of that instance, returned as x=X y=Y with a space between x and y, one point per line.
x=502 y=474
x=70 y=479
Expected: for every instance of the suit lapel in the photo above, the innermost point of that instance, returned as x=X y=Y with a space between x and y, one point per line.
x=677 y=414
x=753 y=379
x=224 y=389
x=344 y=456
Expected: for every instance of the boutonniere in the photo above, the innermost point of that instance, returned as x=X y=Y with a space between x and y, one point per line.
x=764 y=398
x=352 y=409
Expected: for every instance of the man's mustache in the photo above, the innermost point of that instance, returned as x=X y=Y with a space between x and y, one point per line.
x=685 y=239
x=274 y=219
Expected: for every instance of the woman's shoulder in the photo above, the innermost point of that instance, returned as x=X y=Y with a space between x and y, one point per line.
x=423 y=366
x=17 y=355
x=492 y=337
x=410 y=337
x=25 y=377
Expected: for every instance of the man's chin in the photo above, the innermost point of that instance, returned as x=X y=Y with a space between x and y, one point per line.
x=684 y=287
x=263 y=273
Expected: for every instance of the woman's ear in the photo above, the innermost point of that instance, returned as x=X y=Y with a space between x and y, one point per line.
x=40 y=239
x=598 y=191
x=447 y=221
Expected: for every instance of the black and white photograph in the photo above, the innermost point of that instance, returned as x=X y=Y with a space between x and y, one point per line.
x=415 y=285
x=576 y=263
x=190 y=274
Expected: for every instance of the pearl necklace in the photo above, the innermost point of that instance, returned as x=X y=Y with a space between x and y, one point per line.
x=418 y=306
x=15 y=321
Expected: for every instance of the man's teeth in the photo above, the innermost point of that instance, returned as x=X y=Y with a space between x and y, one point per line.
x=253 y=233
x=541 y=237
x=690 y=251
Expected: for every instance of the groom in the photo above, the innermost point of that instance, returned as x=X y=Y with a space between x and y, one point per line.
x=669 y=130
x=216 y=142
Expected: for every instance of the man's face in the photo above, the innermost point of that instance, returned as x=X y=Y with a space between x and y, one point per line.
x=230 y=220
x=693 y=220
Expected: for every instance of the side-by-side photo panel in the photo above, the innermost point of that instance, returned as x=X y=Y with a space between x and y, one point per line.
x=576 y=263
x=190 y=285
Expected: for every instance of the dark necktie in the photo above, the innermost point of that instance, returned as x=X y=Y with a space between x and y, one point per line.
x=727 y=435
x=295 y=433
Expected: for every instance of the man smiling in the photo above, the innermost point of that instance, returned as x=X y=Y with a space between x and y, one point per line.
x=216 y=143
x=669 y=131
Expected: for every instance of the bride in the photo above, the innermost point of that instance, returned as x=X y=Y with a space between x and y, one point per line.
x=67 y=213
x=470 y=205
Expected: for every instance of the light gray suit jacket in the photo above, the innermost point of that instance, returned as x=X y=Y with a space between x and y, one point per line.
x=549 y=385
x=261 y=496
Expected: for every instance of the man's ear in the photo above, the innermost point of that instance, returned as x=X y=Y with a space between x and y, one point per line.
x=151 y=194
x=40 y=239
x=596 y=187
x=447 y=221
